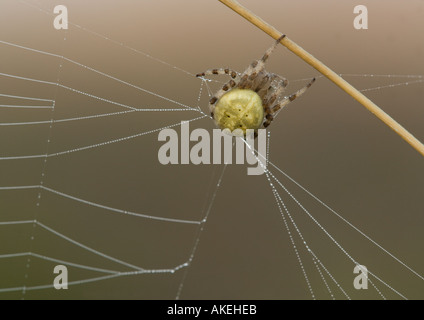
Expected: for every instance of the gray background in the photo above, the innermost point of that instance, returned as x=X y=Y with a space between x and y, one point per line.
x=325 y=140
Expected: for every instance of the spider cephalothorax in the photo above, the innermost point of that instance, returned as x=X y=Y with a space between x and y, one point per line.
x=251 y=99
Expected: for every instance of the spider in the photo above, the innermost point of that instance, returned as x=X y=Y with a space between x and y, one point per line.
x=250 y=100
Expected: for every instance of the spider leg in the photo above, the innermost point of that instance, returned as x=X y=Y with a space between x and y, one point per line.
x=261 y=84
x=229 y=85
x=269 y=117
x=283 y=81
x=245 y=81
x=221 y=71
x=259 y=81
x=265 y=85
x=269 y=99
x=270 y=111
x=290 y=98
x=257 y=66
x=273 y=95
x=271 y=49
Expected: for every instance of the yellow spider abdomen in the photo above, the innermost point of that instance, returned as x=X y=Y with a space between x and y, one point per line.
x=239 y=109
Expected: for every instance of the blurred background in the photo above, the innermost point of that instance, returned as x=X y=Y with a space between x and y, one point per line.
x=326 y=141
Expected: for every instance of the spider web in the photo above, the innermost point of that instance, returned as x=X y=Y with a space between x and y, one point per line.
x=81 y=186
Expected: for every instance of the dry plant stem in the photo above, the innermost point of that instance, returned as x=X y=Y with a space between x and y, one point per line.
x=326 y=71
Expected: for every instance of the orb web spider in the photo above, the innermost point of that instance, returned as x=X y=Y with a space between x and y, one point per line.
x=251 y=99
